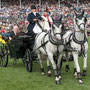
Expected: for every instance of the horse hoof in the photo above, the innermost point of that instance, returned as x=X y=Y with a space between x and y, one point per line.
x=84 y=74
x=43 y=73
x=60 y=77
x=67 y=68
x=58 y=82
x=80 y=82
x=75 y=74
x=49 y=74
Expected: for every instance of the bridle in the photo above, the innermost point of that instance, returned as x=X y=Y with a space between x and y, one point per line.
x=53 y=39
x=74 y=38
x=79 y=25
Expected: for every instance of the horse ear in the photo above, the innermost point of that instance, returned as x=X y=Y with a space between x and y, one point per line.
x=85 y=19
x=75 y=14
x=83 y=13
x=60 y=19
x=62 y=26
x=53 y=27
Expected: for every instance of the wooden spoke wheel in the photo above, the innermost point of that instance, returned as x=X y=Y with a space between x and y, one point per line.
x=3 y=56
x=28 y=60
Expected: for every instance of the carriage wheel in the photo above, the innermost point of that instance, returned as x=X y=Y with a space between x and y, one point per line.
x=3 y=56
x=28 y=60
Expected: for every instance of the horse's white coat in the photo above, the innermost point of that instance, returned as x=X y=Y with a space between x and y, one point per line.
x=50 y=49
x=79 y=34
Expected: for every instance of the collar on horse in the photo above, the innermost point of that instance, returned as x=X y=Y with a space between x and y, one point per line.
x=77 y=41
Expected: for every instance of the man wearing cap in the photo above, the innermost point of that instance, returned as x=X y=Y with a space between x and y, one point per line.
x=32 y=18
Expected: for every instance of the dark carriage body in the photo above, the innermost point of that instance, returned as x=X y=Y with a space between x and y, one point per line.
x=18 y=45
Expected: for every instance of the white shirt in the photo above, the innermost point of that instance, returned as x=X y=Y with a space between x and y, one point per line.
x=46 y=24
x=34 y=13
x=37 y=29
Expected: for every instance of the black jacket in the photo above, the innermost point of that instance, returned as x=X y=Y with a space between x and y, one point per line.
x=12 y=34
x=30 y=18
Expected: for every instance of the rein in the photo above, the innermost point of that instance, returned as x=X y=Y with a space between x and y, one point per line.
x=40 y=27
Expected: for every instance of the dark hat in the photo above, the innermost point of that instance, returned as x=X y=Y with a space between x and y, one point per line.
x=33 y=7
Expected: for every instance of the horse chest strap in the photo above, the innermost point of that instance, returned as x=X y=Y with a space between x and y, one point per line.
x=57 y=51
x=79 y=42
x=83 y=49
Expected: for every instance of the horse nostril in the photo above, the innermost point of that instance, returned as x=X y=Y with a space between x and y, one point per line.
x=82 y=30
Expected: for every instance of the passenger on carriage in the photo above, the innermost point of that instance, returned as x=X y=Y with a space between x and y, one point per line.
x=14 y=32
x=48 y=20
x=17 y=31
x=32 y=18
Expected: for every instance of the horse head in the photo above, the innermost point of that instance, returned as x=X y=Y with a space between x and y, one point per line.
x=58 y=23
x=57 y=27
x=80 y=21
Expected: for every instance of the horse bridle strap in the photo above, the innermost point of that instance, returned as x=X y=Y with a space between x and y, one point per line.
x=80 y=24
x=54 y=41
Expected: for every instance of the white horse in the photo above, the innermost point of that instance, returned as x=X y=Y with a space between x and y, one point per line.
x=51 y=45
x=78 y=41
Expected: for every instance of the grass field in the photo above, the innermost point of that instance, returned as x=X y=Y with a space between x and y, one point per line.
x=15 y=77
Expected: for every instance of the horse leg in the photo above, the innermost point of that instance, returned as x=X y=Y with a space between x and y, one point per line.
x=75 y=71
x=85 y=64
x=50 y=57
x=67 y=62
x=75 y=55
x=42 y=69
x=59 y=65
x=49 y=68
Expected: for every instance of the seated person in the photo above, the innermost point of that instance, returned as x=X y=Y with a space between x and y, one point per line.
x=14 y=32
x=20 y=31
x=17 y=31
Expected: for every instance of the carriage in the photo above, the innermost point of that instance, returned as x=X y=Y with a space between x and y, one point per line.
x=19 y=47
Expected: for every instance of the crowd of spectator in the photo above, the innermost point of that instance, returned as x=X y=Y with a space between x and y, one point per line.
x=11 y=13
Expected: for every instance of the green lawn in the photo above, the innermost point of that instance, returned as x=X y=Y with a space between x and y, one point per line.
x=15 y=77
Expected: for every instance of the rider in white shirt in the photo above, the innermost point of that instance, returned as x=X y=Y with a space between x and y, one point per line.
x=48 y=20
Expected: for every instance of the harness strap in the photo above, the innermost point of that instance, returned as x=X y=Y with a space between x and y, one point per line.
x=79 y=42
x=57 y=53
x=40 y=27
x=44 y=47
x=40 y=47
x=52 y=40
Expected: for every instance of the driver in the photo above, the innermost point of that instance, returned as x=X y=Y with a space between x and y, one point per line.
x=32 y=18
